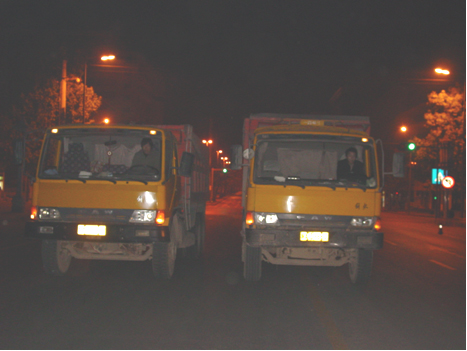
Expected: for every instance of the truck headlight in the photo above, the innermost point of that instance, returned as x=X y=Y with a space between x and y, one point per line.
x=143 y=216
x=262 y=218
x=48 y=213
x=365 y=222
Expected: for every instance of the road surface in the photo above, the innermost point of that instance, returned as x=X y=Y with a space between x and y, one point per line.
x=415 y=299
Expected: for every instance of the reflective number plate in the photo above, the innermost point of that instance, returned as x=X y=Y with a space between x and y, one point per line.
x=314 y=236
x=89 y=229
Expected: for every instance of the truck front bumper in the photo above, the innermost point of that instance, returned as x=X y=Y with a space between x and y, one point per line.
x=124 y=233
x=362 y=239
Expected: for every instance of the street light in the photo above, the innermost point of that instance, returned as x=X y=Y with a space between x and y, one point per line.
x=442 y=71
x=224 y=160
x=217 y=153
x=403 y=129
x=106 y=120
x=208 y=143
x=103 y=58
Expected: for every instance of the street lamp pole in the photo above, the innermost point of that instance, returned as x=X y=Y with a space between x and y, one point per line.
x=208 y=143
x=103 y=58
x=63 y=93
x=218 y=152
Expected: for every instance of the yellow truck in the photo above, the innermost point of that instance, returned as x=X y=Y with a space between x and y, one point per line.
x=311 y=193
x=115 y=192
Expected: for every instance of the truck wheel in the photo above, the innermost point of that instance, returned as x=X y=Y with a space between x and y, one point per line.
x=163 y=259
x=56 y=259
x=360 y=266
x=200 y=234
x=252 y=264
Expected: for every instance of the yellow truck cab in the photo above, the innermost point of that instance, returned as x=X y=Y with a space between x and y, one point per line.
x=303 y=204
x=119 y=193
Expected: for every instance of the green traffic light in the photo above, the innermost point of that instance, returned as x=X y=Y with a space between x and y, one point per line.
x=411 y=146
x=224 y=170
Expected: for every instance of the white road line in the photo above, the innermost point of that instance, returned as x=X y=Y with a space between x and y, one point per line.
x=443 y=265
x=446 y=251
x=390 y=242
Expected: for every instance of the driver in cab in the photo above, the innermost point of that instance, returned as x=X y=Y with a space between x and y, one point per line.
x=147 y=156
x=350 y=168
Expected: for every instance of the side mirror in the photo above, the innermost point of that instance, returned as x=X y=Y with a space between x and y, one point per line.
x=237 y=159
x=398 y=165
x=19 y=149
x=186 y=164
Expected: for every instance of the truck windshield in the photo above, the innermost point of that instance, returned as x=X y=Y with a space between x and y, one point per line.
x=315 y=161
x=101 y=154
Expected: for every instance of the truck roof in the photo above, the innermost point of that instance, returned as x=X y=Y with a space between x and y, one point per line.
x=331 y=124
x=106 y=126
x=296 y=128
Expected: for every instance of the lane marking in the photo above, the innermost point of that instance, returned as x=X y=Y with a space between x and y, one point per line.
x=332 y=331
x=390 y=242
x=446 y=251
x=443 y=265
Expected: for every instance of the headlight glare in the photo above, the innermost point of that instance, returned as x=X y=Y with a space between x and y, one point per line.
x=362 y=222
x=48 y=213
x=262 y=218
x=143 y=216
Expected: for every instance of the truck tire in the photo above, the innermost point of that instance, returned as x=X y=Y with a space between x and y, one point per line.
x=200 y=234
x=360 y=266
x=55 y=258
x=252 y=264
x=163 y=259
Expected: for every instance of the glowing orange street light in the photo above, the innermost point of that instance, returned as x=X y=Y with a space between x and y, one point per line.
x=207 y=142
x=403 y=129
x=442 y=71
x=217 y=153
x=106 y=120
x=103 y=58
x=108 y=57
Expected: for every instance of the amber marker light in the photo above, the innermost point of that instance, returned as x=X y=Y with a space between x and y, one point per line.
x=249 y=220
x=160 y=217
x=378 y=224
x=33 y=212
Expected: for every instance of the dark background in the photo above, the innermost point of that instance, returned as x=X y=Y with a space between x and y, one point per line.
x=212 y=63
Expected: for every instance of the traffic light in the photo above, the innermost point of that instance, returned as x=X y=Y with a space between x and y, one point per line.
x=224 y=170
x=411 y=146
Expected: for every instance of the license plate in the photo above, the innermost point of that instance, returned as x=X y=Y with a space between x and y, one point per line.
x=91 y=229
x=314 y=236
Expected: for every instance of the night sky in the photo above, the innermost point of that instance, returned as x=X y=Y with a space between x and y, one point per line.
x=212 y=63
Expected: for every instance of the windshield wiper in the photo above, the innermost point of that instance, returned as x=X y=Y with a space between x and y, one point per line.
x=323 y=183
x=74 y=178
x=103 y=178
x=349 y=184
x=136 y=180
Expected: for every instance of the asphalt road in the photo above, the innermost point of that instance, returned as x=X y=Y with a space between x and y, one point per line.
x=415 y=299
